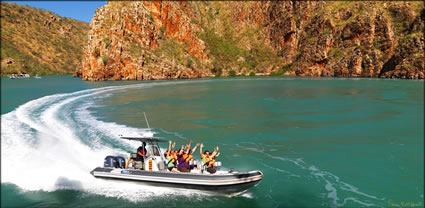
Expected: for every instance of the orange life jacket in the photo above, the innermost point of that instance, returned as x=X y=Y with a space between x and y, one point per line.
x=188 y=157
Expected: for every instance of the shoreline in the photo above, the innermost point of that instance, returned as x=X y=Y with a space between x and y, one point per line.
x=256 y=75
x=262 y=75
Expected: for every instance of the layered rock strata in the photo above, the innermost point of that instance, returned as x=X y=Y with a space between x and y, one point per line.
x=177 y=40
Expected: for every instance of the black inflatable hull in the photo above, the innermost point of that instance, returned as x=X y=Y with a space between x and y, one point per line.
x=224 y=183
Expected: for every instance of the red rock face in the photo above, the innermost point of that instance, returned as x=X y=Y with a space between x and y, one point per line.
x=123 y=34
x=175 y=18
x=127 y=40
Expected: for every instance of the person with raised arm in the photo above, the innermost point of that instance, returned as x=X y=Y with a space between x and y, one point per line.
x=172 y=149
x=188 y=147
x=208 y=159
x=170 y=157
x=190 y=159
x=213 y=156
x=183 y=165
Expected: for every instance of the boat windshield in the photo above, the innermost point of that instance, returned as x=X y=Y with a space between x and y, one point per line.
x=153 y=150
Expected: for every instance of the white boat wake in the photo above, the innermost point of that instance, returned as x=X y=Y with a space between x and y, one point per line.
x=332 y=183
x=54 y=142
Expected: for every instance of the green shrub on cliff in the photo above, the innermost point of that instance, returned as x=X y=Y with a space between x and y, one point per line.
x=297 y=21
x=171 y=48
x=251 y=62
x=162 y=29
x=232 y=73
x=217 y=71
x=107 y=42
x=135 y=50
x=105 y=59
x=282 y=70
x=276 y=73
x=189 y=62
x=326 y=31
x=222 y=49
x=96 y=52
x=280 y=52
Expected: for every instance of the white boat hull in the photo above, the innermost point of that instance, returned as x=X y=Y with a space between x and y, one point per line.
x=223 y=182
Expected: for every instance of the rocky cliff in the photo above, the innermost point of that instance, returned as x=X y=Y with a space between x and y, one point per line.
x=175 y=40
x=36 y=41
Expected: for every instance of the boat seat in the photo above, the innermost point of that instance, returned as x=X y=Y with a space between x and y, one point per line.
x=138 y=165
x=161 y=165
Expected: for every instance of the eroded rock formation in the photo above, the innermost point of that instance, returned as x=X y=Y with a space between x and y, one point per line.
x=175 y=40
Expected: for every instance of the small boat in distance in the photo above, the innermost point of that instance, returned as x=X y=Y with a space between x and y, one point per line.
x=19 y=76
x=37 y=77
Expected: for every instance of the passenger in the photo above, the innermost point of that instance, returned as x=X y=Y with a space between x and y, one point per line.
x=190 y=158
x=212 y=161
x=208 y=160
x=171 y=158
x=183 y=165
x=168 y=152
x=188 y=147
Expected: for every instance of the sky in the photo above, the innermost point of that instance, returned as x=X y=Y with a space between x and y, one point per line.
x=79 y=10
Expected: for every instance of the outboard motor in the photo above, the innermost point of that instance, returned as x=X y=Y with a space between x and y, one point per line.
x=110 y=162
x=120 y=162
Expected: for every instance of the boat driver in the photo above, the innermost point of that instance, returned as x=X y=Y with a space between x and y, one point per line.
x=141 y=153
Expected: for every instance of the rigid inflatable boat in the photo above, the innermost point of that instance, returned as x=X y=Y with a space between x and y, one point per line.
x=154 y=172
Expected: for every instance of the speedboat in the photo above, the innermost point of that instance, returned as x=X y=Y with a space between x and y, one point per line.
x=154 y=172
x=19 y=76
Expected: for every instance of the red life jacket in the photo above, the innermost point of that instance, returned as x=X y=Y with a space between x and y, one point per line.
x=142 y=152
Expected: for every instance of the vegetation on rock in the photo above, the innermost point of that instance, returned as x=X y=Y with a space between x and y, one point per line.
x=36 y=41
x=177 y=40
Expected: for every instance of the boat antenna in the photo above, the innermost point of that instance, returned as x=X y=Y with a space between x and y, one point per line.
x=146 y=121
x=159 y=149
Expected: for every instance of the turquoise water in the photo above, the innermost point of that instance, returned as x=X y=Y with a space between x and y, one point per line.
x=319 y=142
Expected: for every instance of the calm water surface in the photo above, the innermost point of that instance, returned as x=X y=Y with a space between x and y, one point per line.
x=319 y=142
